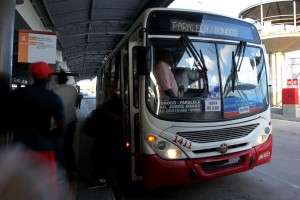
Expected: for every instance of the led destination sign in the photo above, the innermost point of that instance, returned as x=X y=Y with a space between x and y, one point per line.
x=209 y=27
x=184 y=26
x=202 y=25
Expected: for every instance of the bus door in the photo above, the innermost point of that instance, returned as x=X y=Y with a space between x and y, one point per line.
x=125 y=110
x=133 y=115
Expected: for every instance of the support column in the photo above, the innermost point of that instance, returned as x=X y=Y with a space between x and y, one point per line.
x=7 y=24
x=278 y=73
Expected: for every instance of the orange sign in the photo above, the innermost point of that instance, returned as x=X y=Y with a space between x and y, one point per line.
x=37 y=46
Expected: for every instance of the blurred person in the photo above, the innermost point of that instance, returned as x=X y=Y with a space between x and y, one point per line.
x=167 y=84
x=26 y=177
x=78 y=88
x=65 y=143
x=79 y=99
x=32 y=108
x=103 y=124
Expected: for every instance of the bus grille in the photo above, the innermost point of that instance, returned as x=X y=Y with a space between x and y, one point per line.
x=216 y=135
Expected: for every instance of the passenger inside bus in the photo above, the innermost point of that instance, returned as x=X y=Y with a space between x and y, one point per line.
x=189 y=78
x=167 y=84
x=184 y=77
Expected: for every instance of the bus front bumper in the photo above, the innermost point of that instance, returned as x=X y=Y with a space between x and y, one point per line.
x=158 y=172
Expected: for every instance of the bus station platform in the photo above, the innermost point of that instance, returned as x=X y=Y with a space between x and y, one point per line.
x=277 y=113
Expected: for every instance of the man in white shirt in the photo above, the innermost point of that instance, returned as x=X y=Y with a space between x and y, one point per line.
x=68 y=95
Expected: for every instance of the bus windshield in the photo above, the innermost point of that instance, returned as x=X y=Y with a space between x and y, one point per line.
x=198 y=80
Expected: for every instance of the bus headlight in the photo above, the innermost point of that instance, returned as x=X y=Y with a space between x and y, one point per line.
x=173 y=153
x=261 y=139
x=161 y=145
x=267 y=130
x=164 y=148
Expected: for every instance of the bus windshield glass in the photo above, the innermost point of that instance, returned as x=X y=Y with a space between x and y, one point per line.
x=197 y=80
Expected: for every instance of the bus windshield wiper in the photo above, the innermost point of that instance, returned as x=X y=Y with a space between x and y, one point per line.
x=236 y=66
x=202 y=60
x=233 y=72
x=240 y=53
x=192 y=51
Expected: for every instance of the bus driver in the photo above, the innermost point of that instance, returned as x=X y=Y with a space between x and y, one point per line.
x=167 y=84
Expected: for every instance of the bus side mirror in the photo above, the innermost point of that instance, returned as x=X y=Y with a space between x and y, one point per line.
x=143 y=60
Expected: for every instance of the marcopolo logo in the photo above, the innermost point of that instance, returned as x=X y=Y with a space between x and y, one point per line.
x=223 y=148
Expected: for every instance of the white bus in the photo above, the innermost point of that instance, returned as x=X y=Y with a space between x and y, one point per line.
x=218 y=123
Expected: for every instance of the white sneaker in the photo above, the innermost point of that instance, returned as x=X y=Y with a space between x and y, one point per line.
x=97 y=184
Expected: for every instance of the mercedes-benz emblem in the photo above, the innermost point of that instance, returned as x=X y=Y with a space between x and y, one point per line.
x=223 y=148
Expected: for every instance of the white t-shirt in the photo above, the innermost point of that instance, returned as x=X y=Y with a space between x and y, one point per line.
x=68 y=95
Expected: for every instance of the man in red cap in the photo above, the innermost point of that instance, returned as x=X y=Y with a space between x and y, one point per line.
x=33 y=107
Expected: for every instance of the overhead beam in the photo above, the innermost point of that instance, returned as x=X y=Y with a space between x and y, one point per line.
x=85 y=53
x=97 y=47
x=82 y=62
x=93 y=33
x=90 y=21
x=88 y=65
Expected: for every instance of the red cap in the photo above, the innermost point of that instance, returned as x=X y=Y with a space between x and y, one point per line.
x=41 y=70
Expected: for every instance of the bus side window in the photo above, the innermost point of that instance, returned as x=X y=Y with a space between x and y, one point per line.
x=135 y=77
x=126 y=77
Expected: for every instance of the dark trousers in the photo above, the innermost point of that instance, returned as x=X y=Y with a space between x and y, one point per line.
x=105 y=130
x=70 y=161
x=100 y=158
x=64 y=148
x=78 y=103
x=102 y=144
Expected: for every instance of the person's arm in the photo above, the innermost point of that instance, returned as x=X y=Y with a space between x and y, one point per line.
x=59 y=116
x=61 y=125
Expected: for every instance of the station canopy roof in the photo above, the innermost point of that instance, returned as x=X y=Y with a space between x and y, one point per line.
x=87 y=30
x=282 y=14
x=277 y=11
